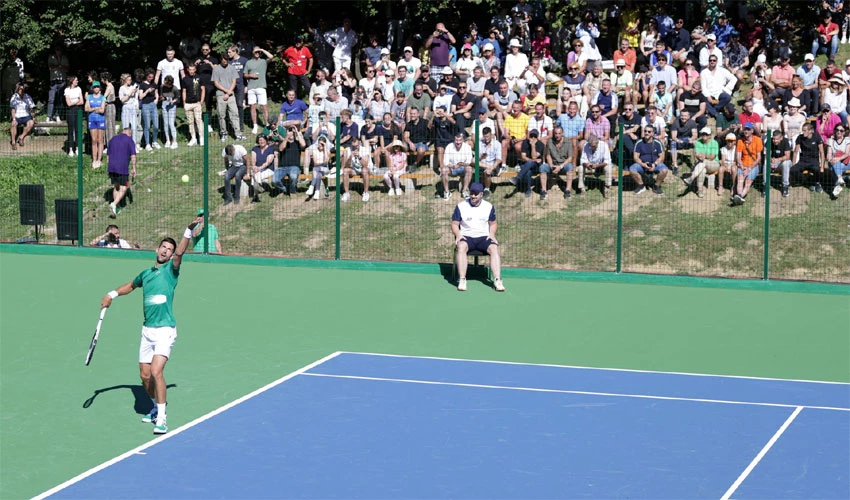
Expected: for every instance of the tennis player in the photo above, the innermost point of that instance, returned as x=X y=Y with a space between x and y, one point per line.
x=160 y=328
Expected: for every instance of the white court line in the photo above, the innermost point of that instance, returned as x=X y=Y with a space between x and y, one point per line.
x=182 y=428
x=595 y=368
x=761 y=454
x=565 y=391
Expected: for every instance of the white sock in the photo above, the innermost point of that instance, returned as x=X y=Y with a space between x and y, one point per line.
x=160 y=415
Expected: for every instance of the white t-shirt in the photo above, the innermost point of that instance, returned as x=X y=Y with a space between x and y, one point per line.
x=238 y=153
x=412 y=65
x=452 y=156
x=173 y=68
x=74 y=96
x=474 y=221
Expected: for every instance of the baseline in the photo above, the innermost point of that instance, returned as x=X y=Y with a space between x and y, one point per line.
x=183 y=428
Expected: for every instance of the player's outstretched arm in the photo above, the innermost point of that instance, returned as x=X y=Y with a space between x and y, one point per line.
x=177 y=259
x=106 y=301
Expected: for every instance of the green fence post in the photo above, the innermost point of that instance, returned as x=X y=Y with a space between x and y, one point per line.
x=619 y=202
x=79 y=138
x=765 y=272
x=206 y=147
x=337 y=163
x=476 y=157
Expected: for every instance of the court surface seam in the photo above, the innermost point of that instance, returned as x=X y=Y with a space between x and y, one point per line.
x=565 y=391
x=761 y=454
x=746 y=377
x=184 y=427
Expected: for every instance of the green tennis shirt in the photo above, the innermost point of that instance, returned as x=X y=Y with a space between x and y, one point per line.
x=158 y=284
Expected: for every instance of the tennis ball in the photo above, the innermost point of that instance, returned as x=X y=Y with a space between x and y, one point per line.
x=185 y=178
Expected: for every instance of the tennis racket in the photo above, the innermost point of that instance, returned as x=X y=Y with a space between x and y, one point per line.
x=95 y=336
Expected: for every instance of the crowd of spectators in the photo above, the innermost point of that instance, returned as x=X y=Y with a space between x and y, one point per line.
x=670 y=82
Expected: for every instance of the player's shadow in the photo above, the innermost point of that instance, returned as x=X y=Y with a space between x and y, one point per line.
x=142 y=402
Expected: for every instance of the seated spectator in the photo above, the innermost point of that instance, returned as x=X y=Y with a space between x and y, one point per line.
x=490 y=154
x=236 y=161
x=200 y=234
x=608 y=103
x=656 y=121
x=417 y=136
x=810 y=154
x=706 y=153
x=793 y=120
x=532 y=98
x=292 y=110
x=111 y=239
x=457 y=161
x=540 y=122
x=836 y=98
x=683 y=135
x=826 y=39
x=514 y=130
x=357 y=160
x=595 y=158
x=560 y=154
x=780 y=158
x=396 y=167
x=631 y=122
x=660 y=53
x=531 y=162
x=474 y=228
x=663 y=99
x=623 y=82
x=750 y=149
x=728 y=162
x=318 y=155
x=717 y=85
x=289 y=160
x=748 y=116
x=648 y=160
x=838 y=157
x=262 y=160
x=22 y=107
x=694 y=102
x=808 y=74
x=627 y=54
x=826 y=122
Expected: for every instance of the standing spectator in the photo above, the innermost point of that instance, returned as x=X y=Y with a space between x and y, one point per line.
x=255 y=73
x=121 y=165
x=237 y=162
x=238 y=62
x=224 y=78
x=12 y=73
x=438 y=43
x=372 y=52
x=169 y=94
x=74 y=102
x=827 y=37
x=22 y=107
x=57 y=63
x=170 y=66
x=205 y=64
x=96 y=107
x=109 y=113
x=342 y=39
x=149 y=96
x=194 y=93
x=129 y=106
x=299 y=63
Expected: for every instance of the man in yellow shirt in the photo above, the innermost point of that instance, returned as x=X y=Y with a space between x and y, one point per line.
x=514 y=129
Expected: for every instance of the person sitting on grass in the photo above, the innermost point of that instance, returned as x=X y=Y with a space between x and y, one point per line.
x=474 y=228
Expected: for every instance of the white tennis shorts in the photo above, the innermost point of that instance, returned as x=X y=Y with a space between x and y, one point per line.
x=257 y=96
x=156 y=340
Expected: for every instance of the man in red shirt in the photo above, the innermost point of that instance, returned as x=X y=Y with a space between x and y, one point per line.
x=299 y=63
x=826 y=41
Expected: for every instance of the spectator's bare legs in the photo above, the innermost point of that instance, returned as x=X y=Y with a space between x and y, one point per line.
x=365 y=174
x=420 y=154
x=118 y=192
x=444 y=177
x=467 y=178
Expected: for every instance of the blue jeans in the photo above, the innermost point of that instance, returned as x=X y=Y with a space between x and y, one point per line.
x=169 y=115
x=830 y=48
x=52 y=104
x=639 y=169
x=150 y=117
x=527 y=169
x=233 y=173
x=722 y=101
x=292 y=173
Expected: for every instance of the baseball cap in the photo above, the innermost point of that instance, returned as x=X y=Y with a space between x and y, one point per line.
x=705 y=131
x=514 y=43
x=476 y=187
x=749 y=125
x=389 y=72
x=763 y=58
x=487 y=46
x=731 y=137
x=466 y=46
x=621 y=62
x=200 y=212
x=825 y=107
x=408 y=49
x=809 y=57
x=711 y=36
x=385 y=51
x=95 y=83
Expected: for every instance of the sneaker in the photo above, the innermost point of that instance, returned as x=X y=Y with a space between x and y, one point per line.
x=398 y=191
x=737 y=200
x=437 y=195
x=160 y=428
x=156 y=145
x=150 y=417
x=391 y=192
x=700 y=194
x=366 y=196
x=461 y=285
x=812 y=189
x=640 y=189
x=785 y=191
x=345 y=197
x=675 y=170
x=174 y=145
x=818 y=188
x=543 y=195
x=528 y=194
x=606 y=192
x=317 y=195
x=113 y=209
x=513 y=180
x=254 y=130
x=201 y=142
x=255 y=199
x=148 y=148
x=567 y=194
x=310 y=190
x=657 y=190
x=71 y=153
x=486 y=194
x=167 y=144
x=465 y=194
x=498 y=285
x=240 y=137
x=223 y=137
x=209 y=128
x=193 y=142
x=447 y=195
x=837 y=190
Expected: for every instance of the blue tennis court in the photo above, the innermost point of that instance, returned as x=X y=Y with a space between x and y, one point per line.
x=356 y=425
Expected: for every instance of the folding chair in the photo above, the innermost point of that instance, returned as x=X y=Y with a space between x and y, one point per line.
x=472 y=253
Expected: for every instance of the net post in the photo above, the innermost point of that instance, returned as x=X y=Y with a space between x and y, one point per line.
x=619 y=201
x=338 y=164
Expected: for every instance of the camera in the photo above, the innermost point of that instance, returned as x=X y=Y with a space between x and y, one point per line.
x=111 y=239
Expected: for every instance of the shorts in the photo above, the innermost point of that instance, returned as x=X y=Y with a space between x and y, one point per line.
x=481 y=243
x=358 y=168
x=257 y=96
x=23 y=120
x=264 y=175
x=97 y=125
x=156 y=341
x=457 y=170
x=753 y=175
x=119 y=179
x=639 y=169
x=420 y=145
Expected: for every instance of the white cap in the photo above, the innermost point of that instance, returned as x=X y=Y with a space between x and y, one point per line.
x=408 y=48
x=705 y=130
x=447 y=70
x=514 y=43
x=847 y=62
x=711 y=36
x=389 y=72
x=809 y=57
x=385 y=51
x=763 y=58
x=621 y=62
x=487 y=46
